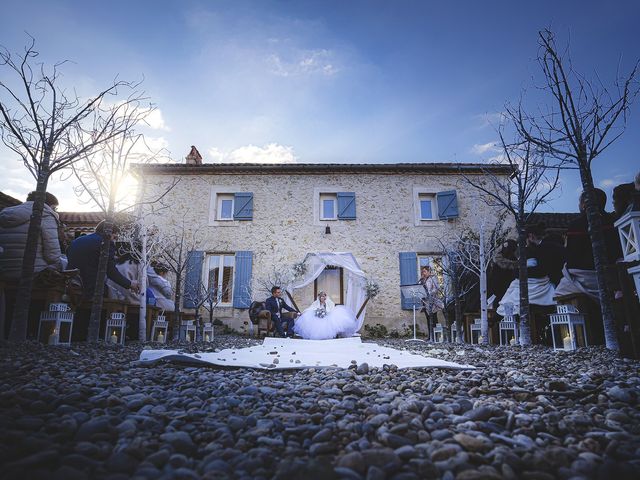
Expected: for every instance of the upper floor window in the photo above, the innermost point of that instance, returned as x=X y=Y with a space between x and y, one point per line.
x=334 y=205
x=328 y=206
x=225 y=206
x=229 y=206
x=430 y=205
x=427 y=207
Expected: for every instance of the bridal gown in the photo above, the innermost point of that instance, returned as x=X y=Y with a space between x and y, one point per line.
x=338 y=321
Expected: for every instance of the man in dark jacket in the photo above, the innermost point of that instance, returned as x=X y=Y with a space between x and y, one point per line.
x=275 y=305
x=84 y=254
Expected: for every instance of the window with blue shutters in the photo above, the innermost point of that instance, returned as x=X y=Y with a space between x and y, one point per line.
x=242 y=283
x=346 y=205
x=447 y=204
x=333 y=205
x=192 y=279
x=408 y=275
x=243 y=206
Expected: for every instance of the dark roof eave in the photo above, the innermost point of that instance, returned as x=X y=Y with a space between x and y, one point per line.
x=317 y=168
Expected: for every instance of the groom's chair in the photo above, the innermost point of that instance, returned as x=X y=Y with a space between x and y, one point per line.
x=260 y=317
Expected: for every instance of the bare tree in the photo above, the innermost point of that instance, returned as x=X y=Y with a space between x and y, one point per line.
x=478 y=245
x=144 y=243
x=456 y=282
x=521 y=193
x=207 y=296
x=103 y=177
x=179 y=240
x=49 y=129
x=583 y=119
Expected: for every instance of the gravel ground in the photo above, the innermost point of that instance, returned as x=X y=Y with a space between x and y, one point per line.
x=93 y=412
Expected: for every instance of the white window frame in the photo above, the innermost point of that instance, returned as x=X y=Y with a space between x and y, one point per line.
x=220 y=198
x=434 y=206
x=205 y=281
x=329 y=190
x=418 y=194
x=214 y=205
x=334 y=198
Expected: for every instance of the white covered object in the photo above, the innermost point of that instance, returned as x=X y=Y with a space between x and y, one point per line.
x=356 y=280
x=288 y=353
x=541 y=292
x=339 y=321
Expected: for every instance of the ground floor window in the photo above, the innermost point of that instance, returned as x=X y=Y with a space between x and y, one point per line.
x=331 y=280
x=220 y=276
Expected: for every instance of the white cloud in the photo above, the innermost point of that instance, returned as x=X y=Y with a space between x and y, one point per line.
x=271 y=153
x=155 y=120
x=303 y=62
x=482 y=148
x=490 y=119
x=608 y=183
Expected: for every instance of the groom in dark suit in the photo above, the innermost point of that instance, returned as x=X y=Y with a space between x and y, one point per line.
x=275 y=305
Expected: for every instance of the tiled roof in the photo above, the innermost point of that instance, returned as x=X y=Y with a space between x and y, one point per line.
x=81 y=217
x=8 y=201
x=318 y=168
x=554 y=220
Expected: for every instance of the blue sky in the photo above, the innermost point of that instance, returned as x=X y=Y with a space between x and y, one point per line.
x=328 y=81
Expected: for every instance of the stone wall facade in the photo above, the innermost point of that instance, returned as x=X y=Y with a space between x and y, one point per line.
x=286 y=224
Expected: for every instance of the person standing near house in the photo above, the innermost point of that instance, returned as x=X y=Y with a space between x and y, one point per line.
x=84 y=254
x=275 y=305
x=431 y=303
x=14 y=229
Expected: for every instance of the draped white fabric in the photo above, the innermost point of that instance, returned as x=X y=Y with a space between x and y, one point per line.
x=355 y=278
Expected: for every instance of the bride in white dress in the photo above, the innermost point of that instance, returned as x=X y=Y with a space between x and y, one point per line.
x=324 y=320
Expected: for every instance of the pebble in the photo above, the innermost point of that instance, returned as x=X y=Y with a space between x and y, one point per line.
x=526 y=412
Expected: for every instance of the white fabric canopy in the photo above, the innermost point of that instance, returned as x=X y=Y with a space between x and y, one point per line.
x=356 y=282
x=287 y=353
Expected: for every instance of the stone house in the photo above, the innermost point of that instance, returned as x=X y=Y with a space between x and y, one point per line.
x=256 y=219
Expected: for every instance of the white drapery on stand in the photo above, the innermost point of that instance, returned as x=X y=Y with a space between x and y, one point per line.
x=355 y=278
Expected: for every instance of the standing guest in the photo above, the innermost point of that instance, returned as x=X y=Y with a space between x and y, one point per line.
x=84 y=254
x=554 y=255
x=275 y=305
x=14 y=227
x=503 y=269
x=541 y=290
x=431 y=303
x=161 y=287
x=622 y=198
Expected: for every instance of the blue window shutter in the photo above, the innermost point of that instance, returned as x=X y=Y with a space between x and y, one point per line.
x=346 y=205
x=447 y=204
x=408 y=274
x=243 y=206
x=242 y=281
x=192 y=279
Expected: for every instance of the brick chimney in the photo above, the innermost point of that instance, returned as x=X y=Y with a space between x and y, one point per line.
x=194 y=157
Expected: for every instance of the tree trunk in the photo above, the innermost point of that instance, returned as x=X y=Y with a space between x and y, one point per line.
x=142 y=317
x=177 y=311
x=600 y=259
x=523 y=279
x=18 y=332
x=101 y=277
x=484 y=318
x=457 y=308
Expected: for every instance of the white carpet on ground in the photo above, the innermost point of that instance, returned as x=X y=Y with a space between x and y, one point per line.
x=287 y=353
